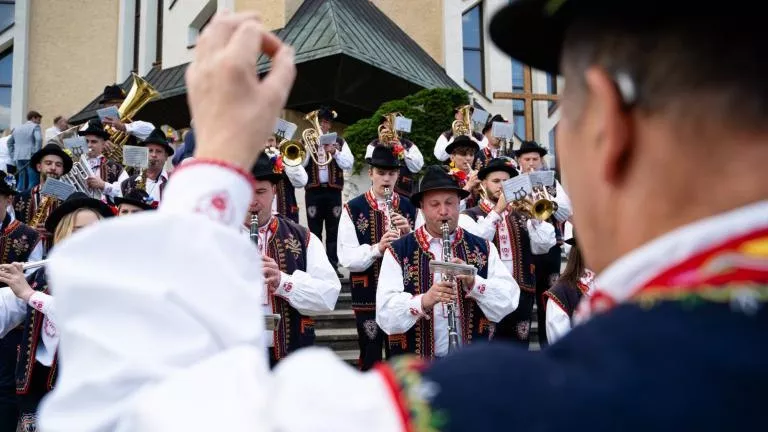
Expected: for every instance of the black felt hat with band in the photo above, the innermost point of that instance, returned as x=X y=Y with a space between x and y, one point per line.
x=93 y=127
x=498 y=164
x=461 y=141
x=75 y=202
x=383 y=157
x=530 y=147
x=436 y=178
x=325 y=113
x=264 y=169
x=52 y=149
x=158 y=137
x=138 y=198
x=112 y=93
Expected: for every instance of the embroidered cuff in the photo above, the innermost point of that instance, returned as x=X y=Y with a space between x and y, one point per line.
x=217 y=190
x=37 y=301
x=478 y=290
x=414 y=306
x=285 y=287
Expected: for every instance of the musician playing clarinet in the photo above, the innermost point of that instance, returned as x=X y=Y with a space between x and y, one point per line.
x=369 y=224
x=411 y=302
x=298 y=278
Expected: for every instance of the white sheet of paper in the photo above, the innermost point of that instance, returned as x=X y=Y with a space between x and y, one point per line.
x=502 y=130
x=403 y=124
x=57 y=188
x=135 y=156
x=74 y=142
x=329 y=138
x=546 y=178
x=110 y=111
x=517 y=187
x=480 y=116
x=285 y=129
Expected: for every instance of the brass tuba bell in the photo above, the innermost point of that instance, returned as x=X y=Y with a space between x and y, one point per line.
x=292 y=151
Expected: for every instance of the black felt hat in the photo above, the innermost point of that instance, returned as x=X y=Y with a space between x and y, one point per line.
x=6 y=188
x=265 y=169
x=112 y=93
x=436 y=178
x=138 y=198
x=325 y=113
x=496 y=118
x=498 y=164
x=75 y=202
x=93 y=127
x=530 y=147
x=383 y=157
x=461 y=141
x=158 y=137
x=52 y=149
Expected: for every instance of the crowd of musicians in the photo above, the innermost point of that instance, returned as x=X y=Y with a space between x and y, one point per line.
x=385 y=237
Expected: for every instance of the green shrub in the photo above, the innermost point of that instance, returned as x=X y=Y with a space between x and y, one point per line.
x=431 y=111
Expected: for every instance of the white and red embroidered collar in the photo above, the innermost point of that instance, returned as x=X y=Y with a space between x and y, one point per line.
x=424 y=238
x=374 y=203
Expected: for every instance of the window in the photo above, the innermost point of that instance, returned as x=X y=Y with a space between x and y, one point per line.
x=552 y=89
x=7 y=11
x=518 y=117
x=198 y=24
x=6 y=79
x=159 y=34
x=472 y=33
x=518 y=76
x=136 y=33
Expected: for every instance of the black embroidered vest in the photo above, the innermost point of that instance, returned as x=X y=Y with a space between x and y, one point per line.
x=335 y=174
x=31 y=338
x=404 y=185
x=288 y=247
x=523 y=267
x=286 y=199
x=566 y=296
x=412 y=253
x=25 y=207
x=370 y=226
x=129 y=184
x=109 y=171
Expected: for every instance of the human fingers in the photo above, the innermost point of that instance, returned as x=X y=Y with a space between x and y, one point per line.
x=218 y=32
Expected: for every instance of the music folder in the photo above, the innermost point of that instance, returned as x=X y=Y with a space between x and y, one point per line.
x=453 y=269
x=270 y=321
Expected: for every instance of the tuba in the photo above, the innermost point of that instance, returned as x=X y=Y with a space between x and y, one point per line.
x=463 y=126
x=387 y=133
x=311 y=138
x=140 y=94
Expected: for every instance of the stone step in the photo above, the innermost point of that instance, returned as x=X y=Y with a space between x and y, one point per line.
x=344 y=301
x=342 y=339
x=349 y=356
x=337 y=319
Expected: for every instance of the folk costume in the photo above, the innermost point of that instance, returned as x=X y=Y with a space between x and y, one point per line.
x=411 y=161
x=323 y=190
x=294 y=177
x=153 y=186
x=363 y=223
x=442 y=154
x=112 y=173
x=518 y=238
x=308 y=284
x=405 y=277
x=490 y=152
x=137 y=130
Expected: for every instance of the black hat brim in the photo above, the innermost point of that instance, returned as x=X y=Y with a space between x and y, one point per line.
x=103 y=134
x=71 y=205
x=571 y=241
x=168 y=149
x=140 y=204
x=462 y=142
x=57 y=151
x=483 y=172
x=382 y=165
x=541 y=151
x=417 y=196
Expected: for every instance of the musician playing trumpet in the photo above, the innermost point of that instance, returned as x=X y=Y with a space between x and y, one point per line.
x=517 y=236
x=299 y=280
x=294 y=177
x=369 y=224
x=410 y=301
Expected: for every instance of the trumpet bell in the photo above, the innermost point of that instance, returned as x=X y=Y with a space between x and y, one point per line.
x=293 y=152
x=543 y=209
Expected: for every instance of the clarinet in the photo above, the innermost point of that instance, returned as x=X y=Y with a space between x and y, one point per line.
x=388 y=208
x=453 y=335
x=255 y=229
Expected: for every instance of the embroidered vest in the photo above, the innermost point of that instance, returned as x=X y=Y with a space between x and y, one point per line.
x=566 y=296
x=288 y=247
x=370 y=226
x=17 y=242
x=335 y=174
x=523 y=268
x=286 y=199
x=25 y=208
x=109 y=171
x=31 y=337
x=129 y=184
x=412 y=252
x=404 y=185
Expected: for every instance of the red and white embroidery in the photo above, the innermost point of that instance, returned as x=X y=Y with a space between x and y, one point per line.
x=481 y=288
x=414 y=312
x=217 y=206
x=37 y=304
x=288 y=287
x=49 y=328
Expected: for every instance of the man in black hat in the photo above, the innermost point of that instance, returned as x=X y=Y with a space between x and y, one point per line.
x=530 y=157
x=517 y=236
x=444 y=139
x=466 y=159
x=369 y=224
x=135 y=201
x=410 y=300
x=299 y=280
x=495 y=148
x=109 y=175
x=407 y=152
x=323 y=190
x=153 y=179
x=137 y=130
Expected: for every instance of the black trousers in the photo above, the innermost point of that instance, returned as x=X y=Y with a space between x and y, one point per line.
x=324 y=208
x=547 y=272
x=9 y=414
x=371 y=339
x=28 y=403
x=516 y=327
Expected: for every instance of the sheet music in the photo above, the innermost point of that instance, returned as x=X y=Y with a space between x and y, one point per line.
x=480 y=116
x=57 y=188
x=326 y=139
x=135 y=156
x=284 y=129
x=546 y=178
x=517 y=188
x=502 y=130
x=110 y=112
x=403 y=124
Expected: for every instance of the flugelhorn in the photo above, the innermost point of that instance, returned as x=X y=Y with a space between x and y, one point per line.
x=311 y=138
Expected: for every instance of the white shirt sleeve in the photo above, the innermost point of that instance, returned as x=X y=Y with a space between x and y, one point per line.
x=139 y=129
x=35 y=255
x=13 y=310
x=564 y=209
x=414 y=160
x=315 y=290
x=396 y=310
x=497 y=295
x=484 y=227
x=352 y=255
x=44 y=304
x=542 y=236
x=344 y=158
x=297 y=175
x=440 y=146
x=558 y=323
x=113 y=189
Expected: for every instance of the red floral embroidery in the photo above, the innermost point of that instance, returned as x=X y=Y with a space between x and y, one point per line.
x=49 y=328
x=217 y=206
x=414 y=311
x=481 y=288
x=288 y=287
x=37 y=304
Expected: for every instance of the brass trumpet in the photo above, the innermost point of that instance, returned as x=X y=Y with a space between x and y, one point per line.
x=292 y=151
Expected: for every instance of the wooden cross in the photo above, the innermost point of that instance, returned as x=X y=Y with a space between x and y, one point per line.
x=527 y=96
